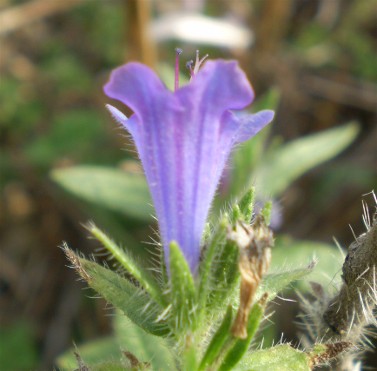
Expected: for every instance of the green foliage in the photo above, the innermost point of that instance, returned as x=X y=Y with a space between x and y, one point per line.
x=224 y=274
x=246 y=205
x=293 y=253
x=218 y=340
x=240 y=346
x=266 y=212
x=215 y=243
x=179 y=307
x=285 y=164
x=128 y=263
x=121 y=293
x=153 y=350
x=13 y=96
x=274 y=283
x=64 y=71
x=185 y=320
x=219 y=268
x=93 y=352
x=110 y=354
x=111 y=188
x=17 y=351
x=280 y=358
x=110 y=366
x=71 y=135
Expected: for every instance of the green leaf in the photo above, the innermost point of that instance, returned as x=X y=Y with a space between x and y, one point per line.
x=218 y=340
x=111 y=188
x=91 y=353
x=279 y=358
x=285 y=164
x=241 y=346
x=183 y=290
x=135 y=303
x=274 y=283
x=292 y=253
x=127 y=262
x=146 y=347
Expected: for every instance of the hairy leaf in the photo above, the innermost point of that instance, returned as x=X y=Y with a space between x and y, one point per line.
x=111 y=188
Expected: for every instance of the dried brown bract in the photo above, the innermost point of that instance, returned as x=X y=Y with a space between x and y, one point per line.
x=255 y=244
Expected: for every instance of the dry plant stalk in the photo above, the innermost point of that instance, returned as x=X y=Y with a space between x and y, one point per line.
x=22 y=15
x=352 y=308
x=255 y=243
x=343 y=322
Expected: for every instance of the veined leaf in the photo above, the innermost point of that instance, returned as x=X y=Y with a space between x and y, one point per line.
x=273 y=283
x=135 y=303
x=127 y=262
x=285 y=164
x=111 y=188
x=146 y=347
x=292 y=253
x=92 y=352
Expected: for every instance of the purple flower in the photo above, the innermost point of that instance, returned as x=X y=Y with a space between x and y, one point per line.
x=184 y=139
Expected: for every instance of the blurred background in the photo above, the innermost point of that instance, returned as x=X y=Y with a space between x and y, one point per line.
x=316 y=58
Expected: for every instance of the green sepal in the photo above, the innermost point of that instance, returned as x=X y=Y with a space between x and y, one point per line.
x=182 y=290
x=135 y=303
x=266 y=212
x=280 y=358
x=218 y=340
x=225 y=274
x=236 y=214
x=246 y=205
x=240 y=346
x=206 y=280
x=143 y=276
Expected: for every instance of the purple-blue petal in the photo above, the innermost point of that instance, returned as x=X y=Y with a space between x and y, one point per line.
x=184 y=139
x=251 y=124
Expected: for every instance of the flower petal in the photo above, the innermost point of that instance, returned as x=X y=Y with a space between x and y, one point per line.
x=138 y=87
x=251 y=124
x=183 y=140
